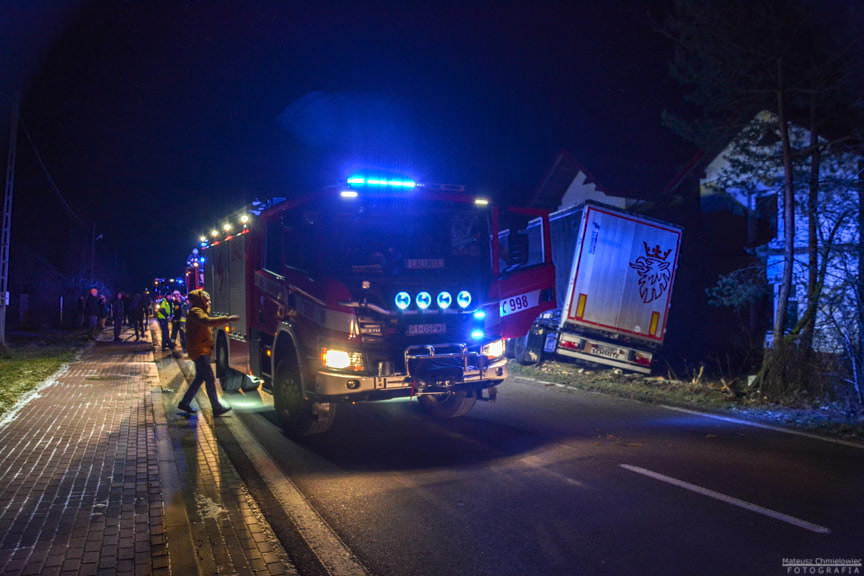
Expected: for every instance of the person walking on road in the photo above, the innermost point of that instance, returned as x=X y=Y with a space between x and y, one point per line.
x=199 y=342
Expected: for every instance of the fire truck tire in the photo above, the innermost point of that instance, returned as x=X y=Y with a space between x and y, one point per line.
x=449 y=405
x=230 y=379
x=298 y=415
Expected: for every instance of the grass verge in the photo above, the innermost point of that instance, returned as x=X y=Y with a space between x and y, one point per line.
x=29 y=360
x=819 y=417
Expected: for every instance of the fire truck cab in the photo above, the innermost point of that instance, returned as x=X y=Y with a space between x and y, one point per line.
x=381 y=288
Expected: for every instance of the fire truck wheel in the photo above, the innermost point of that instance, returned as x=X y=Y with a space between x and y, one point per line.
x=448 y=405
x=230 y=379
x=298 y=415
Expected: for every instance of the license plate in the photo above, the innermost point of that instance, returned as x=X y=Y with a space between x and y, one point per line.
x=551 y=341
x=422 y=329
x=518 y=303
x=606 y=351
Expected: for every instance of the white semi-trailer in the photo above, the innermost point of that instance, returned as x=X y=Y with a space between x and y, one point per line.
x=614 y=272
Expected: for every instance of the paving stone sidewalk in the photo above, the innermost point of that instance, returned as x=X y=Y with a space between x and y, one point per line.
x=96 y=478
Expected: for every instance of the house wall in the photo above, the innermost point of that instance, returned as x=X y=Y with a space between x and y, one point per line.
x=731 y=183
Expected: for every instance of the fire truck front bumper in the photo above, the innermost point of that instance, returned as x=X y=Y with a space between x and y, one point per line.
x=420 y=378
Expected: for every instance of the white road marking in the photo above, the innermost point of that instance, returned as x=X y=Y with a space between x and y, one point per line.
x=764 y=426
x=729 y=499
x=331 y=551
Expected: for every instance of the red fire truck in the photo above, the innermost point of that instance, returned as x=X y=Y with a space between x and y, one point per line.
x=381 y=288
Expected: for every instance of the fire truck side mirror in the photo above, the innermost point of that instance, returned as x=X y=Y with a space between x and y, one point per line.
x=517 y=249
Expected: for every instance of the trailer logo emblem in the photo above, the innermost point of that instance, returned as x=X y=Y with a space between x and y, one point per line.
x=655 y=272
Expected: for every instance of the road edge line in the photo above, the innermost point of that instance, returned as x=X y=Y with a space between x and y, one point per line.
x=330 y=550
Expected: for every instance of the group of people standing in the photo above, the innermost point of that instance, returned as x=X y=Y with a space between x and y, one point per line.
x=96 y=309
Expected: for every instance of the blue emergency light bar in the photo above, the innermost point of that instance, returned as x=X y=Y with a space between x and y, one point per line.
x=381 y=182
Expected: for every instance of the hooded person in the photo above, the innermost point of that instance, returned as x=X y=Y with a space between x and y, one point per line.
x=199 y=343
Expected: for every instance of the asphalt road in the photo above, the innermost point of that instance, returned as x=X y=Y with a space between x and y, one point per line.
x=547 y=481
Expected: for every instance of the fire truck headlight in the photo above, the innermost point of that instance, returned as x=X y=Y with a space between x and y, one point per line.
x=493 y=350
x=402 y=300
x=463 y=299
x=444 y=300
x=424 y=300
x=342 y=359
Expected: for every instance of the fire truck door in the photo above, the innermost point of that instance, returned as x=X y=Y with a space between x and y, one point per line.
x=522 y=296
x=525 y=282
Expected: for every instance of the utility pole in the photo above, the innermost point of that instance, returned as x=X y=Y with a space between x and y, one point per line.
x=6 y=230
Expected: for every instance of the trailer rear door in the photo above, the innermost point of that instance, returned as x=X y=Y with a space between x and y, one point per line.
x=623 y=272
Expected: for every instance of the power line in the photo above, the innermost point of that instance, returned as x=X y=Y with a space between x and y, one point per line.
x=50 y=178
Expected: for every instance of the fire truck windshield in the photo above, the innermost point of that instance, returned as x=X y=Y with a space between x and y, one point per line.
x=396 y=239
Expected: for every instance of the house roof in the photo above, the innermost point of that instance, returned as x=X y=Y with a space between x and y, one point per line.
x=565 y=169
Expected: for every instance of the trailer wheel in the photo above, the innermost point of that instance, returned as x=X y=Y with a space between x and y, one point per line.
x=448 y=404
x=231 y=379
x=298 y=415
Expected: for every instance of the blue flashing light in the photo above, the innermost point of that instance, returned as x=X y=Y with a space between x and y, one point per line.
x=477 y=334
x=444 y=300
x=424 y=300
x=479 y=314
x=381 y=182
x=463 y=299
x=402 y=300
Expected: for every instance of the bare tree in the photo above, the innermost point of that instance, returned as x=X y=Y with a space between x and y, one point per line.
x=737 y=58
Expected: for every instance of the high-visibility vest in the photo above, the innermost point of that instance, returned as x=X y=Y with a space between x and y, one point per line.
x=165 y=310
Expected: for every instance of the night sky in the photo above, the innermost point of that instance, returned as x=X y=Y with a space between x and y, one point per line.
x=156 y=118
